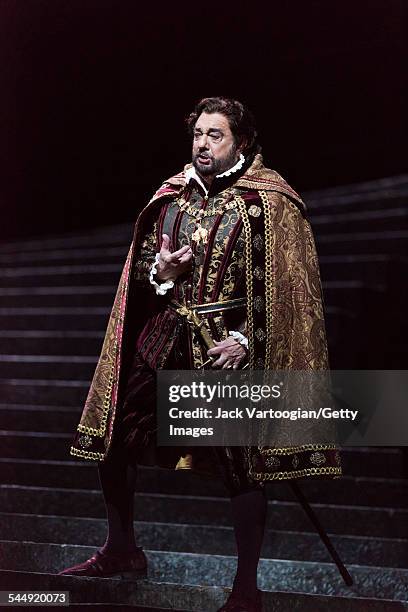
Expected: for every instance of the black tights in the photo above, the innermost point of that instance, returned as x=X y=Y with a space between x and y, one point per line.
x=118 y=482
x=249 y=515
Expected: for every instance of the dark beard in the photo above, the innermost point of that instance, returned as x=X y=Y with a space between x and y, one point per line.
x=217 y=166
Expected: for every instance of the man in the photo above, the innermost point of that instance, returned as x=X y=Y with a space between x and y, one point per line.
x=229 y=233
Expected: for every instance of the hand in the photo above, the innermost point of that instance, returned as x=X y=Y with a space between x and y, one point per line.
x=230 y=352
x=171 y=265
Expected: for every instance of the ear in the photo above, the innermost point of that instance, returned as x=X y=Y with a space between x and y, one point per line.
x=242 y=145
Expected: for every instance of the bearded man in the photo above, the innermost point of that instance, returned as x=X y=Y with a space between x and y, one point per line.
x=225 y=241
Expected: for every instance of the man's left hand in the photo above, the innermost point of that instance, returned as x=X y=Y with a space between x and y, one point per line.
x=231 y=353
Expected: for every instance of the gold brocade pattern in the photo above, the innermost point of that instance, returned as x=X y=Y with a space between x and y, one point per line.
x=249 y=280
x=222 y=209
x=98 y=405
x=105 y=372
x=147 y=256
x=259 y=273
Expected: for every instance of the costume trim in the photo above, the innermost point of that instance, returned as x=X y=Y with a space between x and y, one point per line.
x=292 y=450
x=269 y=284
x=101 y=402
x=249 y=279
x=296 y=473
x=86 y=454
x=106 y=405
x=235 y=168
x=160 y=288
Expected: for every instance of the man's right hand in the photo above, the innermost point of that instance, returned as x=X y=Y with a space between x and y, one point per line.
x=171 y=265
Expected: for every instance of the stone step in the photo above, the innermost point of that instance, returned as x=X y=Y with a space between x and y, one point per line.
x=384 y=242
x=40 y=445
x=353 y=296
x=356 y=204
x=95 y=255
x=44 y=392
x=105 y=236
x=79 y=296
x=368 y=269
x=384 y=492
x=49 y=342
x=57 y=276
x=154 y=507
x=55 y=318
x=79 y=367
x=360 y=220
x=45 y=419
x=386 y=462
x=380 y=192
x=205 y=539
x=218 y=570
x=182 y=597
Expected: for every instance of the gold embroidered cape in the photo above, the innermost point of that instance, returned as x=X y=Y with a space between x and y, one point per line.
x=286 y=333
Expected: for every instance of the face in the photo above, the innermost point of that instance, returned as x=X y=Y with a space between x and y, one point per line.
x=214 y=147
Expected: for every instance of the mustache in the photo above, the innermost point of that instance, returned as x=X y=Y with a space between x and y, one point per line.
x=204 y=155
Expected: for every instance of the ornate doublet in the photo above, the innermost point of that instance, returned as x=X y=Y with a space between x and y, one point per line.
x=217 y=274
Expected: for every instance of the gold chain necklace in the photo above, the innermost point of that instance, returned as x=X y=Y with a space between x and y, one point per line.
x=200 y=232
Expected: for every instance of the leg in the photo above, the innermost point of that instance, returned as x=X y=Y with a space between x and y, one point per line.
x=249 y=506
x=249 y=515
x=118 y=482
x=119 y=555
x=117 y=474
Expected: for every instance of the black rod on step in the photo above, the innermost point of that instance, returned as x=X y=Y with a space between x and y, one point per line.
x=323 y=535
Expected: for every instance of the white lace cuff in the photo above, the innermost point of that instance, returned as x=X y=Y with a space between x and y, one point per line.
x=239 y=338
x=163 y=287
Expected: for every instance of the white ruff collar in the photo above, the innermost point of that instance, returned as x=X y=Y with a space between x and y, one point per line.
x=192 y=174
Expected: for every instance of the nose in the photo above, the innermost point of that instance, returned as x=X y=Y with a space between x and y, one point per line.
x=203 y=142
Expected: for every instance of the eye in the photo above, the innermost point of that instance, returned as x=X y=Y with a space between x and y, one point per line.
x=216 y=137
x=197 y=134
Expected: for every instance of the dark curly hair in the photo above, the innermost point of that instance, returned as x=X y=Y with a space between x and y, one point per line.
x=240 y=119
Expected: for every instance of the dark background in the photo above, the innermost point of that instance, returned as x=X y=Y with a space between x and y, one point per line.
x=94 y=93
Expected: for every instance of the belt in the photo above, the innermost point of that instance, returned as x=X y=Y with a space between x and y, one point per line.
x=209 y=307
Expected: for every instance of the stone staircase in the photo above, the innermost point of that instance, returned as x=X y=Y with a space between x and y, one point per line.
x=55 y=297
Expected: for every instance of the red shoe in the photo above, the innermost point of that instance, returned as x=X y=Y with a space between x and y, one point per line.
x=101 y=565
x=239 y=603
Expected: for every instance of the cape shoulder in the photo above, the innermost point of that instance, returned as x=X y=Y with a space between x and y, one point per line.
x=264 y=179
x=168 y=188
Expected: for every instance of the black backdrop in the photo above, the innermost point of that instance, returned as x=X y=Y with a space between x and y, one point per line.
x=94 y=93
